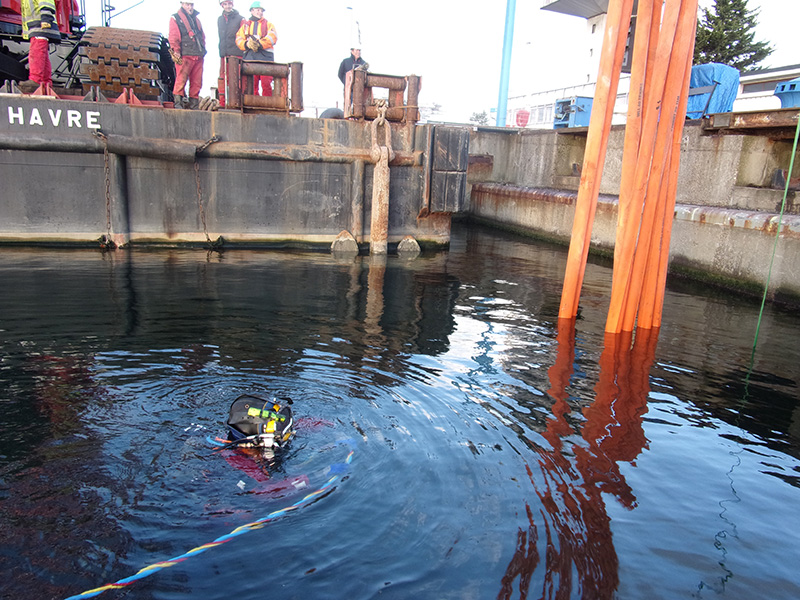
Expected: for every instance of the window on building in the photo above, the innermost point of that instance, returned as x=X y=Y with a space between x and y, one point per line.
x=761 y=86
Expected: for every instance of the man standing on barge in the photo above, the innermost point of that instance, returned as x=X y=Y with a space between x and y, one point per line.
x=351 y=62
x=188 y=44
x=228 y=26
x=346 y=69
x=257 y=38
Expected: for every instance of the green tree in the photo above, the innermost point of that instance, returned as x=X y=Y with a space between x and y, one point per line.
x=479 y=118
x=725 y=35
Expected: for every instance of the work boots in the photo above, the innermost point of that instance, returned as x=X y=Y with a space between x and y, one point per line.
x=178 y=101
x=194 y=103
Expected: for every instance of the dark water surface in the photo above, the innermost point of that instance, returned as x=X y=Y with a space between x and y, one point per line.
x=495 y=456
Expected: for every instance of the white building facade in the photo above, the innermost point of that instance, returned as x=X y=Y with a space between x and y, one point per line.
x=537 y=109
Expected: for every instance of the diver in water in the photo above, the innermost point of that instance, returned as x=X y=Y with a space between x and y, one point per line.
x=265 y=425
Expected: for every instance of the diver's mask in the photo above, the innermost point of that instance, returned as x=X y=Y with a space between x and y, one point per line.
x=255 y=422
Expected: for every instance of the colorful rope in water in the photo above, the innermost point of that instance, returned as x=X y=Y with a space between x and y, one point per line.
x=156 y=567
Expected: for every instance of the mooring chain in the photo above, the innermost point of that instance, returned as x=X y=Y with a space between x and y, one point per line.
x=375 y=153
x=107 y=242
x=200 y=199
x=202 y=212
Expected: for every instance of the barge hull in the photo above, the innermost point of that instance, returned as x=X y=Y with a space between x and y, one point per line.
x=75 y=171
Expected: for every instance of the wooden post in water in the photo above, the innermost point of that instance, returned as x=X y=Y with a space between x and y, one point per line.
x=617 y=24
x=659 y=87
x=658 y=260
x=667 y=114
x=624 y=278
x=648 y=25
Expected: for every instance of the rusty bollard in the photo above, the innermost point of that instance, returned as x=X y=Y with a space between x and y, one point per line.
x=381 y=155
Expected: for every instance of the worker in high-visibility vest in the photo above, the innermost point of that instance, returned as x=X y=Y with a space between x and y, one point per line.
x=39 y=25
x=257 y=38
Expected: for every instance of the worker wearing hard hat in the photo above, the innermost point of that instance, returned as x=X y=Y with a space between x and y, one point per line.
x=188 y=45
x=228 y=26
x=352 y=62
x=40 y=26
x=347 y=70
x=257 y=38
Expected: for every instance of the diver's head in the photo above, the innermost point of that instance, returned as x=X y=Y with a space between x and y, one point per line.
x=255 y=422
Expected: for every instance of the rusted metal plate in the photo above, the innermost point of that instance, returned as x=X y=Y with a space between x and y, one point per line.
x=271 y=102
x=126 y=75
x=450 y=145
x=480 y=166
x=450 y=158
x=391 y=82
x=115 y=55
x=752 y=121
x=265 y=68
x=447 y=191
x=393 y=114
x=120 y=59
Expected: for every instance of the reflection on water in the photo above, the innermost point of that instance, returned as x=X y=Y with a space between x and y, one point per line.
x=578 y=536
x=499 y=452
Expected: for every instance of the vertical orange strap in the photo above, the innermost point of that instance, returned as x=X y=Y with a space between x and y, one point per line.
x=617 y=25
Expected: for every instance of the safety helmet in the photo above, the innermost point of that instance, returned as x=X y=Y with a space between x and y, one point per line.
x=256 y=4
x=260 y=422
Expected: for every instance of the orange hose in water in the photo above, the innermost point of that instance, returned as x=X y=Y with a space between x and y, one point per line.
x=647 y=25
x=654 y=89
x=650 y=317
x=676 y=61
x=617 y=24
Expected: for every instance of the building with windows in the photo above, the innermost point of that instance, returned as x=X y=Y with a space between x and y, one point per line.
x=537 y=110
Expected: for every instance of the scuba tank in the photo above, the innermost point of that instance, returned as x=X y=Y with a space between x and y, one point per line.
x=258 y=422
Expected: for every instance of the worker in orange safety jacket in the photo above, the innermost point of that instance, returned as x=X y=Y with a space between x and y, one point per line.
x=257 y=38
x=40 y=27
x=188 y=45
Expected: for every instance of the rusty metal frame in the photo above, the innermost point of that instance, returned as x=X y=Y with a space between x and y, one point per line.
x=777 y=123
x=361 y=104
x=287 y=86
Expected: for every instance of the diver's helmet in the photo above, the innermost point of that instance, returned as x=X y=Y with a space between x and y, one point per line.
x=259 y=422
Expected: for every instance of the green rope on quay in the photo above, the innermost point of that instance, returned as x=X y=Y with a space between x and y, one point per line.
x=775 y=244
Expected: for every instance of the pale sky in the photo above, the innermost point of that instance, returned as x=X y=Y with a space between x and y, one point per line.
x=454 y=45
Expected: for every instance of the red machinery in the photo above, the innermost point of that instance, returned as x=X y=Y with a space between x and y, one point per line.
x=110 y=60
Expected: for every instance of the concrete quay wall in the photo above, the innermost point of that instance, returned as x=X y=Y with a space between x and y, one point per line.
x=172 y=177
x=728 y=200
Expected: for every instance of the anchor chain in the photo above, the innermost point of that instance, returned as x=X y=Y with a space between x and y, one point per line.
x=212 y=245
x=382 y=107
x=200 y=199
x=106 y=243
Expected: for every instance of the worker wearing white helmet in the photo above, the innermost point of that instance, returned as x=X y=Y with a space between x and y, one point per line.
x=228 y=26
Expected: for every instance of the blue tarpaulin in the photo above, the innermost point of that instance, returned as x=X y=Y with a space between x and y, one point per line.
x=727 y=87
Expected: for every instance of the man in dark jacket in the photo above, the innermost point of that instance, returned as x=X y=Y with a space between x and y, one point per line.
x=346 y=69
x=228 y=24
x=350 y=63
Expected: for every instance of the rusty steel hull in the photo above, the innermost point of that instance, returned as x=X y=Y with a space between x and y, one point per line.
x=73 y=172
